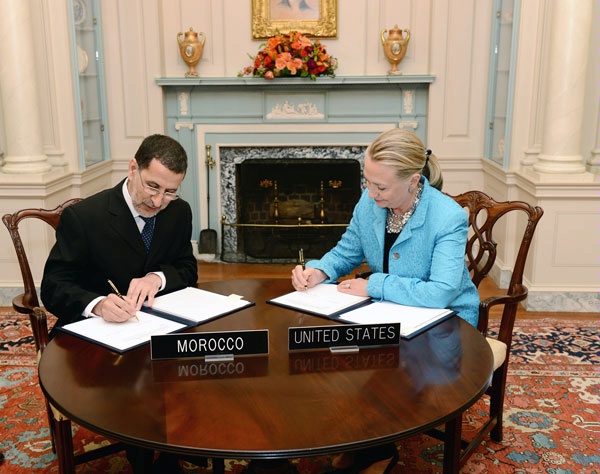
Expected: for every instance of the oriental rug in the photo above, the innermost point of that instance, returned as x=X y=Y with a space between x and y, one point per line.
x=552 y=414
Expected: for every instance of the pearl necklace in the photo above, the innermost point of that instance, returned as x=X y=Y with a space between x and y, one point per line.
x=396 y=222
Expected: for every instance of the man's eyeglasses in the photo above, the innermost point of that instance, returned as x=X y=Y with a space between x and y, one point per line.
x=152 y=191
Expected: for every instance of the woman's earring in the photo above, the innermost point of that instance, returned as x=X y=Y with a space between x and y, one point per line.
x=411 y=189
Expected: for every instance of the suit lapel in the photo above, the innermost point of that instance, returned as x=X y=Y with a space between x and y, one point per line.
x=122 y=222
x=379 y=216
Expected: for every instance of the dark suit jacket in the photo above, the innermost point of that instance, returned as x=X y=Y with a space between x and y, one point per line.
x=97 y=239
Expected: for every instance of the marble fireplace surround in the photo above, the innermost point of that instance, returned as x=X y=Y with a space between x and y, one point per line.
x=229 y=198
x=224 y=121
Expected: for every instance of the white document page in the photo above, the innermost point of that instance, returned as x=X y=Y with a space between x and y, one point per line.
x=323 y=299
x=411 y=318
x=122 y=336
x=194 y=304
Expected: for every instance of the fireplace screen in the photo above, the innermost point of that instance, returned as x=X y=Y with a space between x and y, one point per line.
x=287 y=204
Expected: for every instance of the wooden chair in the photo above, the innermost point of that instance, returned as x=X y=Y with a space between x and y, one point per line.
x=481 y=251
x=25 y=302
x=28 y=303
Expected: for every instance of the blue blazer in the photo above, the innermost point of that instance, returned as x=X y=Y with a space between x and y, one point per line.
x=426 y=263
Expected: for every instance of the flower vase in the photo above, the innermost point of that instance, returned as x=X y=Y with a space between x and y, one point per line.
x=394 y=47
x=191 y=47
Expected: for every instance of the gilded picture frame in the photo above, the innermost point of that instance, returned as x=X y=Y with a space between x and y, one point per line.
x=316 y=18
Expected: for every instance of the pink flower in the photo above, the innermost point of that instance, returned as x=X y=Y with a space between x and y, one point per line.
x=294 y=65
x=282 y=60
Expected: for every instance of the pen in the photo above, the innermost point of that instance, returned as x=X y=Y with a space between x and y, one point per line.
x=118 y=293
x=303 y=263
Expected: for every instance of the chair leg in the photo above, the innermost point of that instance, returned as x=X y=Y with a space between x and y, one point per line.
x=497 y=403
x=64 y=445
x=51 y=427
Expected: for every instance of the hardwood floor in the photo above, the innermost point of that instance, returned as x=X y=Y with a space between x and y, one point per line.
x=211 y=271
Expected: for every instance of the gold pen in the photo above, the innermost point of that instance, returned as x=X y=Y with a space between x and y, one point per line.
x=118 y=293
x=303 y=263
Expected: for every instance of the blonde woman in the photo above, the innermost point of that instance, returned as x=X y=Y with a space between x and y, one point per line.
x=413 y=238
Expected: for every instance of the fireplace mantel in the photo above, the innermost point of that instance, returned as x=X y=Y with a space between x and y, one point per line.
x=207 y=114
x=293 y=82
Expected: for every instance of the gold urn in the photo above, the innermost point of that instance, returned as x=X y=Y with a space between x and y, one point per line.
x=191 y=47
x=394 y=46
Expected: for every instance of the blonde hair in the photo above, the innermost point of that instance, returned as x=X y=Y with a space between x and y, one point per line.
x=405 y=152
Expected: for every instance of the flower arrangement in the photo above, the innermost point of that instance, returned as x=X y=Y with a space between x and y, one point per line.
x=291 y=54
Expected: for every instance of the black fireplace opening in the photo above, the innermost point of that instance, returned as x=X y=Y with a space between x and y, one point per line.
x=287 y=204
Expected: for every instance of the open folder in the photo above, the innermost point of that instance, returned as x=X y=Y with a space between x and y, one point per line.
x=323 y=299
x=170 y=313
x=413 y=320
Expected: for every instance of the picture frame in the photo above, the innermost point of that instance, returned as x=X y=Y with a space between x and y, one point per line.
x=316 y=18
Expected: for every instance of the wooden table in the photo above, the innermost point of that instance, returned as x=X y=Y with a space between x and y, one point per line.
x=280 y=406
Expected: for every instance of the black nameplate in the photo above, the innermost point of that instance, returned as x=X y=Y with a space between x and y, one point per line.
x=214 y=344
x=348 y=335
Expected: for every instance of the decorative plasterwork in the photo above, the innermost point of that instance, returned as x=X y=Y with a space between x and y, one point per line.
x=188 y=125
x=303 y=111
x=183 y=99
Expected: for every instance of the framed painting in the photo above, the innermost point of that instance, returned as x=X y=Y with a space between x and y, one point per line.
x=317 y=18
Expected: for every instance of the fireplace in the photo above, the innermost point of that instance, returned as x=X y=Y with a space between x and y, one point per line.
x=282 y=199
x=284 y=205
x=247 y=118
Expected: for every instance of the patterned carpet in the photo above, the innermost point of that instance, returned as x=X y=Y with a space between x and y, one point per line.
x=552 y=420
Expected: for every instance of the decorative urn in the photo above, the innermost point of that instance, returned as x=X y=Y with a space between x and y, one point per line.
x=394 y=46
x=191 y=47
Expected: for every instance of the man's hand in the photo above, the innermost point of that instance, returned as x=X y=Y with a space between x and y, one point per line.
x=114 y=309
x=144 y=288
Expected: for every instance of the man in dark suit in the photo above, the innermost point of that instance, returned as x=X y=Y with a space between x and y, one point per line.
x=100 y=239
x=106 y=237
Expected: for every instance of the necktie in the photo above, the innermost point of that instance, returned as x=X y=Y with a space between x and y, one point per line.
x=148 y=230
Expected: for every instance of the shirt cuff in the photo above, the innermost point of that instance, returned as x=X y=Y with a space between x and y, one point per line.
x=87 y=312
x=163 y=280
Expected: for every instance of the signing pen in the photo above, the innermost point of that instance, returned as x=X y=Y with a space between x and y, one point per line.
x=303 y=263
x=118 y=293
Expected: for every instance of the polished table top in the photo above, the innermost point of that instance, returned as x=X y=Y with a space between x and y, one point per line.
x=284 y=405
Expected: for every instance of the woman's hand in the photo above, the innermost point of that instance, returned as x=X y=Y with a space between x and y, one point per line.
x=303 y=279
x=355 y=286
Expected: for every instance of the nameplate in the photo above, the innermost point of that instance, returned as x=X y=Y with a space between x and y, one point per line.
x=348 y=335
x=217 y=345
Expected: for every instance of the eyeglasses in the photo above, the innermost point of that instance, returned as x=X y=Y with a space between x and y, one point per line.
x=152 y=191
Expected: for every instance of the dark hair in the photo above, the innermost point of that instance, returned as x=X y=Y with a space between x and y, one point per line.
x=165 y=149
